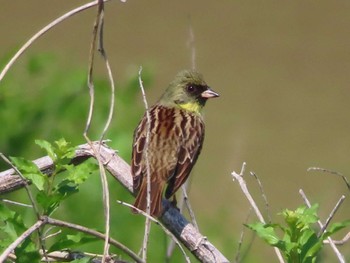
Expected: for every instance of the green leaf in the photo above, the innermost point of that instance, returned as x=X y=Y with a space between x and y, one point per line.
x=48 y=202
x=335 y=227
x=310 y=245
x=79 y=174
x=30 y=171
x=6 y=213
x=24 y=165
x=48 y=148
x=27 y=252
x=37 y=179
x=267 y=232
x=12 y=223
x=66 y=188
x=72 y=241
x=64 y=150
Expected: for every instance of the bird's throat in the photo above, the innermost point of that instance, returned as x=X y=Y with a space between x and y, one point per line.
x=191 y=106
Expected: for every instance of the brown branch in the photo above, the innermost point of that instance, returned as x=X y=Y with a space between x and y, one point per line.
x=50 y=221
x=56 y=222
x=42 y=32
x=199 y=246
x=20 y=239
x=243 y=185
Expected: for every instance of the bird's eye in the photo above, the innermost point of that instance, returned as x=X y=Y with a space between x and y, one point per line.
x=191 y=88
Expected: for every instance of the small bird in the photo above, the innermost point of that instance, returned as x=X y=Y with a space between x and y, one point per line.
x=176 y=134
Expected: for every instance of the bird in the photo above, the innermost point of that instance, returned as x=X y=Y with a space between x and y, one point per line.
x=172 y=135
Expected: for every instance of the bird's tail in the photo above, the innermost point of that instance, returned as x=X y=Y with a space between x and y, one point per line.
x=156 y=208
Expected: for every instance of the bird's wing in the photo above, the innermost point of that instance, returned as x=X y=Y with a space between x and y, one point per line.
x=187 y=157
x=163 y=147
x=137 y=153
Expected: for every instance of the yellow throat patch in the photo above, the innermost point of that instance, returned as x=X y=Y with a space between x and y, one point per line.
x=191 y=106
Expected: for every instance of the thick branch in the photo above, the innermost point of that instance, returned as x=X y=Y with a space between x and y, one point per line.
x=120 y=170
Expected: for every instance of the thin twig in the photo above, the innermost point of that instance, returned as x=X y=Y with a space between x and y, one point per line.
x=267 y=207
x=20 y=239
x=161 y=225
x=90 y=81
x=102 y=51
x=331 y=172
x=240 y=243
x=333 y=246
x=120 y=170
x=105 y=193
x=99 y=235
x=46 y=236
x=331 y=215
x=341 y=242
x=148 y=177
x=31 y=198
x=98 y=31
x=243 y=185
x=183 y=201
x=62 y=256
x=15 y=203
x=42 y=32
x=188 y=205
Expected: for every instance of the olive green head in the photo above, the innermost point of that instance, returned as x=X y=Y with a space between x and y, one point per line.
x=188 y=91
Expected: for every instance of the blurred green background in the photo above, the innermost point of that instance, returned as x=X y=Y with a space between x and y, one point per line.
x=281 y=68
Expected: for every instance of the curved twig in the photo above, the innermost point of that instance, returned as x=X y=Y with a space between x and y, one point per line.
x=42 y=32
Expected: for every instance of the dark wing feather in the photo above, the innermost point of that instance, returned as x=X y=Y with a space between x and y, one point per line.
x=188 y=154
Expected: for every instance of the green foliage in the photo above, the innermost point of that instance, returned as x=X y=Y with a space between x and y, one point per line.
x=72 y=241
x=11 y=227
x=300 y=242
x=47 y=98
x=51 y=192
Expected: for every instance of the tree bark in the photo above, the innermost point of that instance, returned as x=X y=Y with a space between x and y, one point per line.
x=198 y=244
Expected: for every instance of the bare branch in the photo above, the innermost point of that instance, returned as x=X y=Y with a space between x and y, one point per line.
x=331 y=172
x=147 y=215
x=120 y=170
x=331 y=215
x=240 y=243
x=20 y=239
x=102 y=51
x=341 y=242
x=56 y=222
x=183 y=201
x=15 y=203
x=98 y=30
x=31 y=198
x=148 y=209
x=243 y=185
x=42 y=32
x=333 y=246
x=263 y=195
x=188 y=205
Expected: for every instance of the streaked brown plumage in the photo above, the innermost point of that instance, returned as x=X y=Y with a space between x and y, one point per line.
x=175 y=140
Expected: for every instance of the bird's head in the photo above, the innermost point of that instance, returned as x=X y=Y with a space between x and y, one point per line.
x=188 y=91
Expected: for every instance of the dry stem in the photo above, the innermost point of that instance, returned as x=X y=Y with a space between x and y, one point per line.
x=333 y=246
x=243 y=185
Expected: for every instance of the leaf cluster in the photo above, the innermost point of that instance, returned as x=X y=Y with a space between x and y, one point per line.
x=300 y=242
x=51 y=190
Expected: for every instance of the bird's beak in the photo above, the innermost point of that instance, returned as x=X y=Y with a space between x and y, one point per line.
x=209 y=93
